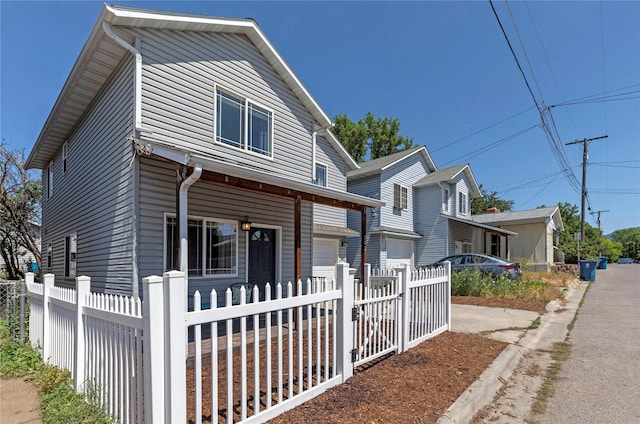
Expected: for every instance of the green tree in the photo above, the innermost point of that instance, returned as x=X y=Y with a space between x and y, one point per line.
x=611 y=249
x=352 y=136
x=629 y=238
x=490 y=200
x=378 y=136
x=20 y=204
x=567 y=243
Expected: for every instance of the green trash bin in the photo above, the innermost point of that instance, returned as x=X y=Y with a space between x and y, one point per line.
x=588 y=270
x=602 y=262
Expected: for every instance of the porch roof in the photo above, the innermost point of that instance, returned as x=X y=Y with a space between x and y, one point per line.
x=494 y=230
x=333 y=230
x=224 y=173
x=395 y=232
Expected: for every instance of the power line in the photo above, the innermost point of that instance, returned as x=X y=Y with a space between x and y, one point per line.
x=482 y=130
x=514 y=55
x=488 y=147
x=547 y=122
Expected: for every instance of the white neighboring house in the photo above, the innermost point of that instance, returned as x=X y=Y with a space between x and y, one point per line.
x=536 y=228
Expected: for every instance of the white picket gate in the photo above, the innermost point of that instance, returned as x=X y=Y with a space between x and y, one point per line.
x=396 y=309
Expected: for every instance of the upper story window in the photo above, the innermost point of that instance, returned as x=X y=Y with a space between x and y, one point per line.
x=242 y=124
x=64 y=158
x=462 y=203
x=445 y=200
x=212 y=246
x=50 y=180
x=399 y=197
x=321 y=175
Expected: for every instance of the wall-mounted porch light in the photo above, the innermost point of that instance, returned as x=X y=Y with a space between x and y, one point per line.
x=245 y=225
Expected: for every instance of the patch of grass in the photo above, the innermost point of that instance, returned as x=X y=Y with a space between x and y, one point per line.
x=559 y=354
x=60 y=403
x=475 y=283
x=19 y=360
x=535 y=324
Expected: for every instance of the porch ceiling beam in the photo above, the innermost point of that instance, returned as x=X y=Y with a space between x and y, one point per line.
x=244 y=184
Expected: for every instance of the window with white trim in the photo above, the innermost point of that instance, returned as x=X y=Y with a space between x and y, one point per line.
x=445 y=200
x=50 y=180
x=321 y=175
x=212 y=246
x=70 y=255
x=462 y=203
x=399 y=197
x=243 y=124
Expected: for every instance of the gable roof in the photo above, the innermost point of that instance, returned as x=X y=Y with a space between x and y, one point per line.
x=378 y=165
x=101 y=54
x=523 y=217
x=448 y=175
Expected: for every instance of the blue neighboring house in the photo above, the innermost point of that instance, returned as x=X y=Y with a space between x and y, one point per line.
x=427 y=213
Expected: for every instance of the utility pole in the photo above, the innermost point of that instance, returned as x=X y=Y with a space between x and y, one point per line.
x=599 y=231
x=585 y=157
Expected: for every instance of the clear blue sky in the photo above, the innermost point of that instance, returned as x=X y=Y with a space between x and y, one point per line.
x=443 y=69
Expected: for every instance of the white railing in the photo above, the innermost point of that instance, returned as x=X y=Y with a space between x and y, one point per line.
x=154 y=361
x=426 y=304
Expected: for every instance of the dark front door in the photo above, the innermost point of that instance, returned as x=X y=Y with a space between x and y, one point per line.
x=262 y=259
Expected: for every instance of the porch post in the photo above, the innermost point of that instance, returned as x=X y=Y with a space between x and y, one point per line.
x=363 y=242
x=297 y=224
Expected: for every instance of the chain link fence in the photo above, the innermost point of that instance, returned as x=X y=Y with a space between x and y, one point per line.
x=14 y=308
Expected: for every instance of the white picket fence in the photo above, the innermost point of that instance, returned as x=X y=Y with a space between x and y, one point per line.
x=154 y=361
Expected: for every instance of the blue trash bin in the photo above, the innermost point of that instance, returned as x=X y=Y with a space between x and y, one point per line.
x=602 y=262
x=588 y=270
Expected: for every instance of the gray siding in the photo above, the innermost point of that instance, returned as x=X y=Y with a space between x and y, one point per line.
x=336 y=179
x=462 y=186
x=369 y=187
x=94 y=198
x=157 y=197
x=180 y=72
x=430 y=224
x=405 y=173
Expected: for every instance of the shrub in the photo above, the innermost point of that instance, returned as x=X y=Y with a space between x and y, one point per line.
x=475 y=283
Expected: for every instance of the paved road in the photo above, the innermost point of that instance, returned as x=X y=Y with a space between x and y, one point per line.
x=600 y=382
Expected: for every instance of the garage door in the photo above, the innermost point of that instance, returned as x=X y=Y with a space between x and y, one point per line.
x=399 y=252
x=325 y=256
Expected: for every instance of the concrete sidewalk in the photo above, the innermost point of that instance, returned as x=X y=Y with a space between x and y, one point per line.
x=527 y=350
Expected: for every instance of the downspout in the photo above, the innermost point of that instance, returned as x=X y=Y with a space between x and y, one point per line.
x=137 y=100
x=183 y=217
x=314 y=136
x=137 y=129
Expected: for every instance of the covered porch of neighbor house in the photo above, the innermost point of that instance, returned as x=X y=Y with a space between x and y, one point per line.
x=472 y=237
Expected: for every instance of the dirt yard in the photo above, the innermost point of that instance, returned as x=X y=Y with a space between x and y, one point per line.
x=415 y=386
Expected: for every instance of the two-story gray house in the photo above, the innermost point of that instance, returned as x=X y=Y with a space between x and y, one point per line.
x=186 y=142
x=427 y=212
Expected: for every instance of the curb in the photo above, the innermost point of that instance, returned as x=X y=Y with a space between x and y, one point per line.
x=483 y=390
